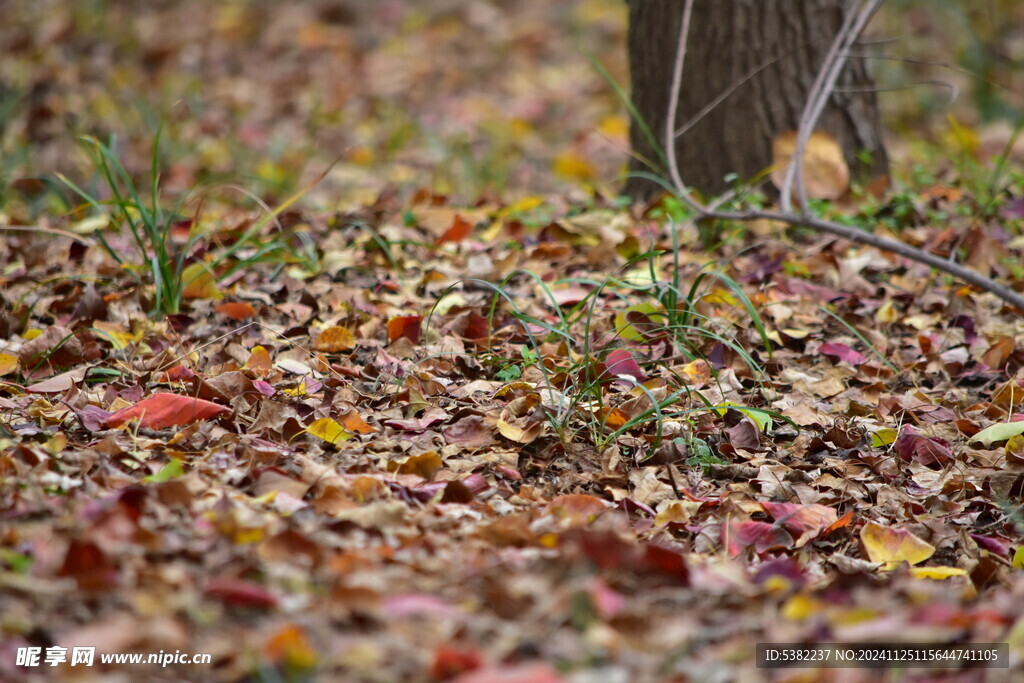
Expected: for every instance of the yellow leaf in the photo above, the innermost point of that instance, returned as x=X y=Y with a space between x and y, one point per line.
x=883 y=437
x=8 y=363
x=887 y=313
x=894 y=546
x=678 y=511
x=327 y=429
x=524 y=205
x=937 y=573
x=56 y=444
x=89 y=225
x=299 y=390
x=199 y=283
x=518 y=434
x=961 y=136
x=116 y=334
x=800 y=607
x=572 y=166
x=632 y=323
x=614 y=126
x=720 y=296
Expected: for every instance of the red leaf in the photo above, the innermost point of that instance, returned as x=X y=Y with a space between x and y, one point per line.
x=664 y=561
x=449 y=662
x=89 y=566
x=178 y=373
x=160 y=411
x=240 y=592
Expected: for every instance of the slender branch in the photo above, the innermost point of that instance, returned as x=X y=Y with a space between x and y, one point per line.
x=854 y=24
x=963 y=273
x=51 y=231
x=673 y=109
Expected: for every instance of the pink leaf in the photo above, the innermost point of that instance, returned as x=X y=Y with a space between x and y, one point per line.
x=842 y=352
x=621 y=362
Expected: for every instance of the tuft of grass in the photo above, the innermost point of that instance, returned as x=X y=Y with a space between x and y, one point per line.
x=158 y=262
x=148 y=223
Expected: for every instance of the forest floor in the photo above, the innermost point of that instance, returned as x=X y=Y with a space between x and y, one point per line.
x=449 y=410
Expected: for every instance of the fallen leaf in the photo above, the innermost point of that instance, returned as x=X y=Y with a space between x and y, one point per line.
x=236 y=310
x=330 y=431
x=161 y=411
x=199 y=283
x=335 y=340
x=576 y=508
x=460 y=230
x=1001 y=431
x=407 y=326
x=892 y=546
x=826 y=175
x=241 y=593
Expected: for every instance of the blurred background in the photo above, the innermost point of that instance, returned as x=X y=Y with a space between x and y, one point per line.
x=471 y=98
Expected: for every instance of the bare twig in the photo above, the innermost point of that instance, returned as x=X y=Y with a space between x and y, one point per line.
x=85 y=239
x=963 y=273
x=853 y=25
x=673 y=109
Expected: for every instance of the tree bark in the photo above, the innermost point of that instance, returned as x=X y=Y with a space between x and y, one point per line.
x=763 y=57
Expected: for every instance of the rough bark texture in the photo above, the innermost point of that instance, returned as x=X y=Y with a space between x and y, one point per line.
x=729 y=39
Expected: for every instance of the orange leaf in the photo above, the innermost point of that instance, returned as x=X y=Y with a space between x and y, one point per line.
x=160 y=411
x=407 y=326
x=459 y=231
x=236 y=310
x=839 y=523
x=290 y=646
x=334 y=340
x=353 y=422
x=259 y=362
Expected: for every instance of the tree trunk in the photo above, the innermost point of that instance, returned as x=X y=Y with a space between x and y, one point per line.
x=729 y=41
